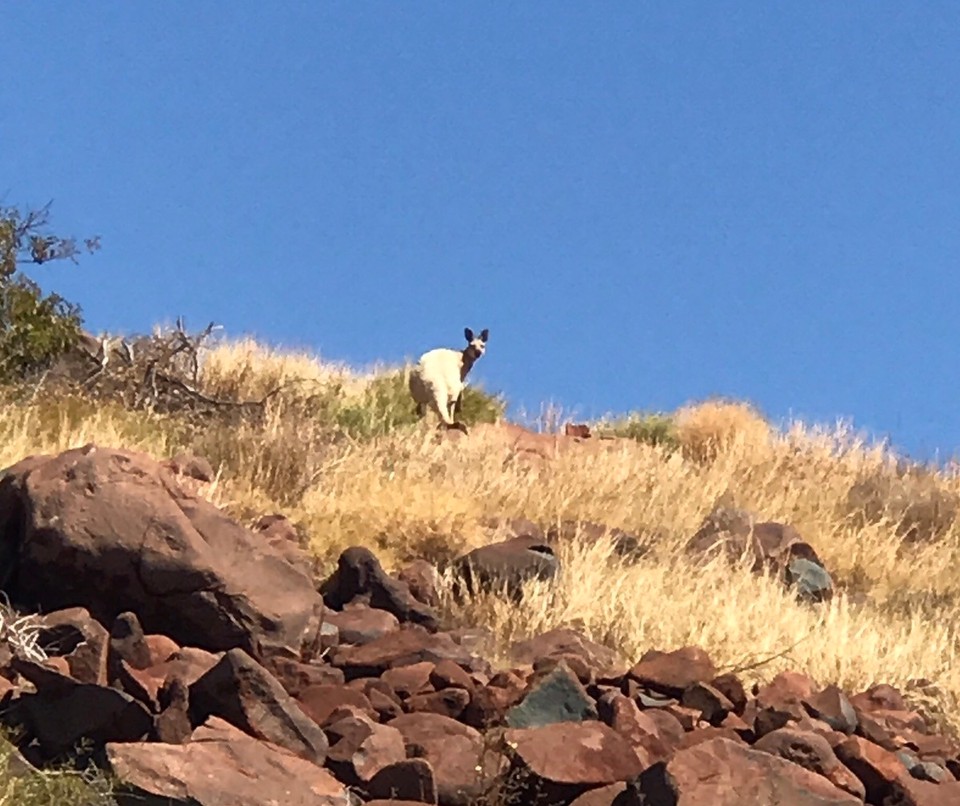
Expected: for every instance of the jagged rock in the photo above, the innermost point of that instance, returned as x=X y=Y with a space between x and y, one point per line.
x=811 y=580
x=505 y=567
x=673 y=672
x=360 y=578
x=400 y=648
x=878 y=769
x=410 y=679
x=563 y=642
x=712 y=704
x=295 y=676
x=813 y=752
x=242 y=692
x=220 y=766
x=423 y=580
x=75 y=635
x=833 y=707
x=724 y=773
x=451 y=702
x=63 y=710
x=557 y=697
x=405 y=782
x=648 y=739
x=319 y=702
x=112 y=531
x=172 y=724
x=127 y=645
x=360 y=748
x=558 y=762
x=360 y=624
x=454 y=750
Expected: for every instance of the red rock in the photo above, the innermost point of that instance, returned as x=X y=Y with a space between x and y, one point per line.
x=447 y=674
x=81 y=639
x=882 y=697
x=242 y=692
x=672 y=672
x=723 y=773
x=701 y=735
x=172 y=724
x=711 y=703
x=669 y=729
x=689 y=718
x=730 y=686
x=780 y=702
x=911 y=792
x=410 y=680
x=576 y=664
x=423 y=580
x=400 y=648
x=489 y=705
x=319 y=702
x=561 y=761
x=360 y=748
x=504 y=568
x=360 y=578
x=216 y=769
x=453 y=750
x=563 y=642
x=814 y=753
x=360 y=625
x=450 y=702
x=409 y=781
x=877 y=769
x=833 y=707
x=141 y=684
x=295 y=676
x=141 y=543
x=637 y=727
x=160 y=648
x=611 y=795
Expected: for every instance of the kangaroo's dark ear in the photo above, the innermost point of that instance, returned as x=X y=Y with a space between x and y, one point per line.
x=468 y=333
x=484 y=334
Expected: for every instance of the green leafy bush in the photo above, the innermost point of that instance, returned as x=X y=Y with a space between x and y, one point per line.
x=386 y=404
x=35 y=328
x=652 y=428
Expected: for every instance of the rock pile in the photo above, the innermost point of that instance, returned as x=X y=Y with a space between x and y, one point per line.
x=198 y=663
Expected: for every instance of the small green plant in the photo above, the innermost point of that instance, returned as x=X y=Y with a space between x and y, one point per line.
x=22 y=785
x=652 y=428
x=35 y=328
x=386 y=404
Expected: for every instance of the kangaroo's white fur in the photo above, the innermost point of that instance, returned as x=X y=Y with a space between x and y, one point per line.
x=437 y=381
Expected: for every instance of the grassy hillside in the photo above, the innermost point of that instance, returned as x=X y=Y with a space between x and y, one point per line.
x=339 y=452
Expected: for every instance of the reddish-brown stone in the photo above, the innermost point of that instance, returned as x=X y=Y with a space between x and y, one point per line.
x=721 y=772
x=672 y=672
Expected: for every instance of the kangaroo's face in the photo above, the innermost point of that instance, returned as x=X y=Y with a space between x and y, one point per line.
x=476 y=345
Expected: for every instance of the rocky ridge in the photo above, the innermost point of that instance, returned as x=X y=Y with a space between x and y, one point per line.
x=201 y=663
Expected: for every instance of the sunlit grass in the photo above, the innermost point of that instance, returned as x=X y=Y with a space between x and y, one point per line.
x=349 y=464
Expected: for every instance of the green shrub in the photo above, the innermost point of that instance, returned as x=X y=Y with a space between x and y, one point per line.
x=35 y=328
x=21 y=786
x=652 y=428
x=386 y=404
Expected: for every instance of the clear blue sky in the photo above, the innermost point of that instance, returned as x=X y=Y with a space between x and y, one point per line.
x=646 y=203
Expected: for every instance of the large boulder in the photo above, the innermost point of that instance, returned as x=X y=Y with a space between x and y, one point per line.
x=219 y=766
x=113 y=531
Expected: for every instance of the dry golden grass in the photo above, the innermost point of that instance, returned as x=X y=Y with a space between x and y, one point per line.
x=407 y=493
x=247 y=370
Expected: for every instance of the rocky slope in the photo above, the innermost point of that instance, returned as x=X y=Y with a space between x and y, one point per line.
x=202 y=663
